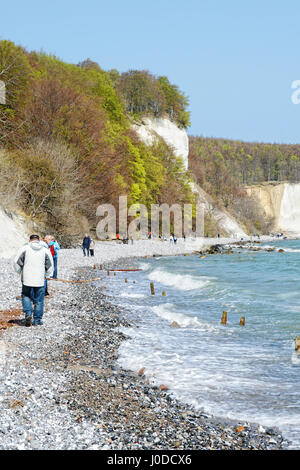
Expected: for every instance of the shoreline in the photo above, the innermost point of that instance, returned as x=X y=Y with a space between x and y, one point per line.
x=69 y=392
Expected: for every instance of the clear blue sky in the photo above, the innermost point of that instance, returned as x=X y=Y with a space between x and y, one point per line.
x=235 y=59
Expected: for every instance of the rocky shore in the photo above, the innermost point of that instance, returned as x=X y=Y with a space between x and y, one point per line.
x=61 y=387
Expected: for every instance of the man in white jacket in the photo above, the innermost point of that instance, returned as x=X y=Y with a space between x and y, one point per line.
x=34 y=262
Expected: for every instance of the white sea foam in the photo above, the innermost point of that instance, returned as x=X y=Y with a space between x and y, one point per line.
x=132 y=296
x=179 y=281
x=144 y=266
x=291 y=250
x=276 y=248
x=167 y=312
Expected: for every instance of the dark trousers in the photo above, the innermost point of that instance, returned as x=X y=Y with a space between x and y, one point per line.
x=86 y=249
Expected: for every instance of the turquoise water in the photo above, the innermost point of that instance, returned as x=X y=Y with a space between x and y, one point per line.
x=246 y=373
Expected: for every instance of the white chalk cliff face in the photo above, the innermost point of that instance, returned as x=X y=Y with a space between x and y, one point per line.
x=225 y=221
x=282 y=202
x=12 y=234
x=151 y=128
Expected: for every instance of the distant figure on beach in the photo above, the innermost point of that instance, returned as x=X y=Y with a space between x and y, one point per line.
x=33 y=262
x=86 y=245
x=118 y=236
x=54 y=247
x=92 y=247
x=44 y=242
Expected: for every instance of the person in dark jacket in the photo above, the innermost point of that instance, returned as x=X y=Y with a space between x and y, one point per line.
x=86 y=245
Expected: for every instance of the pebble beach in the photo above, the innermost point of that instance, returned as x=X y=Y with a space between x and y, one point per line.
x=61 y=387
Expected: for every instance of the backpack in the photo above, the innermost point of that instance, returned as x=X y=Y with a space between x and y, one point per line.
x=52 y=250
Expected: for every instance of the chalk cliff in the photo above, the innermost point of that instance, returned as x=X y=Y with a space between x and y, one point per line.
x=227 y=224
x=13 y=233
x=280 y=201
x=152 y=128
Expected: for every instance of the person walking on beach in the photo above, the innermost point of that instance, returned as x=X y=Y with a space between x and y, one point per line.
x=33 y=262
x=86 y=245
x=44 y=242
x=54 y=247
x=92 y=247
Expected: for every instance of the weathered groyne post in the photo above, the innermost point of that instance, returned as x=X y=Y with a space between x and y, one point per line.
x=224 y=318
x=152 y=288
x=297 y=343
x=242 y=321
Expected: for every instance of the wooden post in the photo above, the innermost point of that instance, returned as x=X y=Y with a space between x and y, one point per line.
x=164 y=293
x=101 y=267
x=152 y=288
x=115 y=273
x=94 y=266
x=297 y=343
x=108 y=272
x=224 y=318
x=242 y=321
x=126 y=280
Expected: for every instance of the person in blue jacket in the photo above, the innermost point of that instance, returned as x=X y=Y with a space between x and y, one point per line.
x=86 y=245
x=54 y=247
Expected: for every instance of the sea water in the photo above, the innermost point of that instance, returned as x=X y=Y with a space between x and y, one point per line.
x=249 y=372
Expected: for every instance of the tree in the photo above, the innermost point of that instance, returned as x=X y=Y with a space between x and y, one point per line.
x=15 y=73
x=176 y=102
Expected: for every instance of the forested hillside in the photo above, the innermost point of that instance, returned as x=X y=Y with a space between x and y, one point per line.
x=223 y=168
x=66 y=143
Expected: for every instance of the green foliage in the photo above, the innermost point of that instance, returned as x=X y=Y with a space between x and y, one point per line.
x=14 y=72
x=89 y=112
x=224 y=167
x=141 y=92
x=146 y=172
x=146 y=94
x=176 y=102
x=220 y=163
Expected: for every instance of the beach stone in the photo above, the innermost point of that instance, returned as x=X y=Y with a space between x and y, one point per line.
x=214 y=249
x=163 y=387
